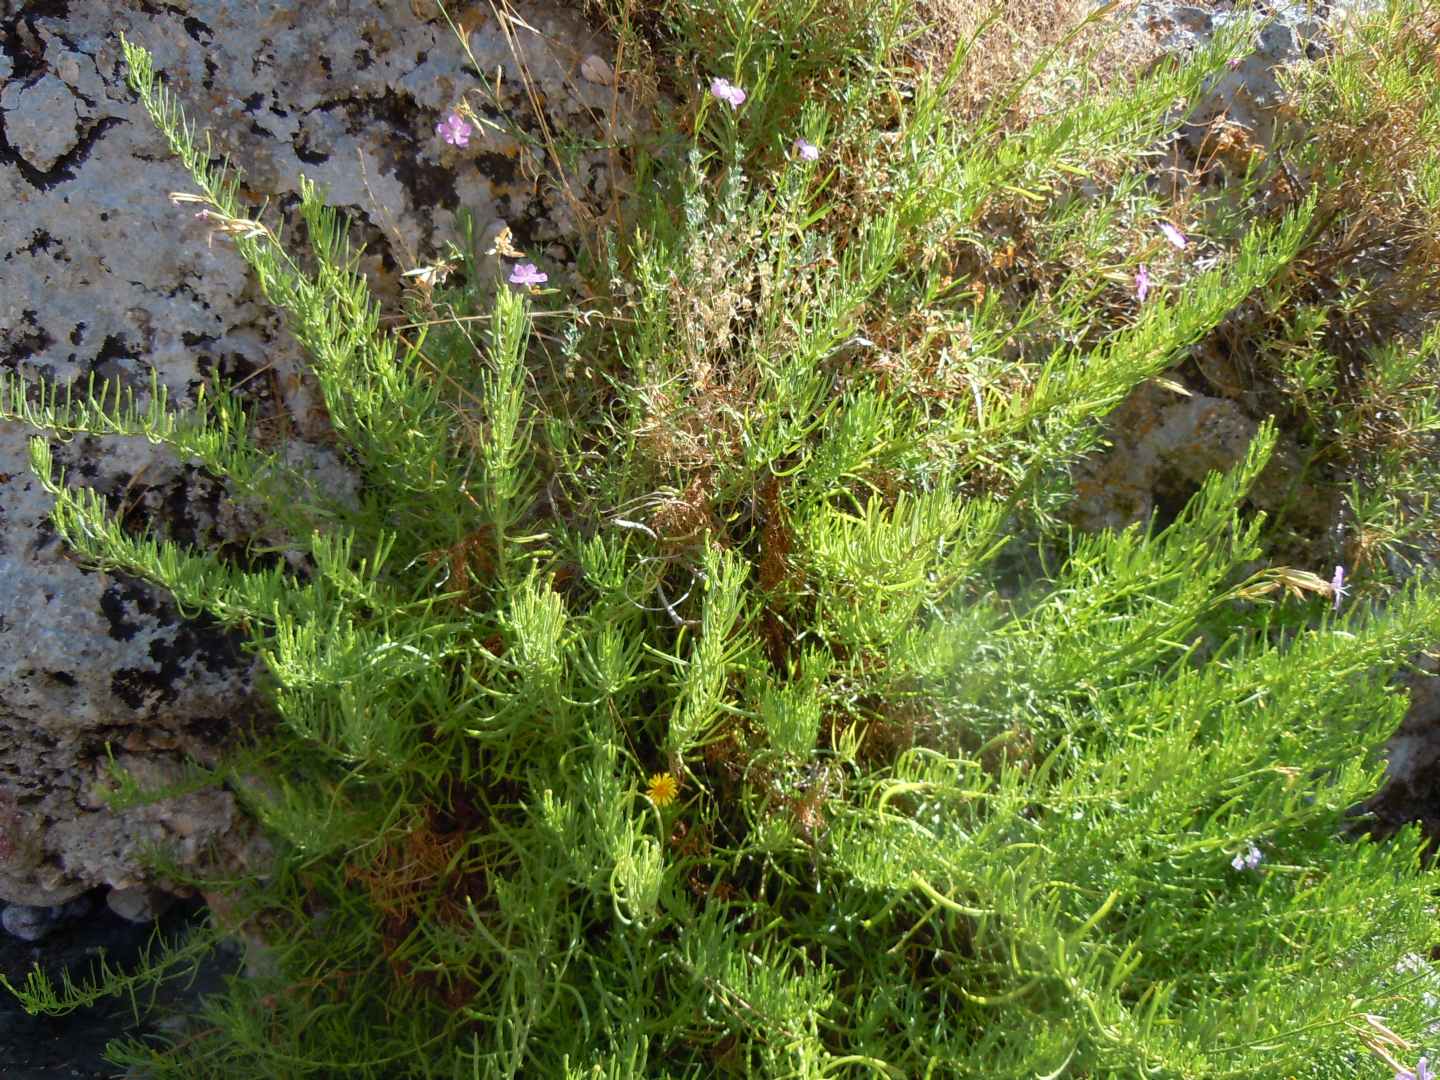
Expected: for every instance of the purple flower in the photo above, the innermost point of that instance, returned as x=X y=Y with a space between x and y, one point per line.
x=1142 y=283
x=727 y=92
x=1247 y=860
x=1338 y=587
x=526 y=274
x=454 y=130
x=1422 y=1071
x=1235 y=64
x=1174 y=235
x=805 y=150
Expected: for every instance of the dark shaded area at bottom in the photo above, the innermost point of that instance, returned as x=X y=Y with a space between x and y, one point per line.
x=72 y=1047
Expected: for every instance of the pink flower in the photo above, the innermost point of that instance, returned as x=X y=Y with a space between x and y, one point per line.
x=454 y=130
x=1174 y=235
x=1142 y=283
x=526 y=274
x=727 y=92
x=1235 y=64
x=805 y=150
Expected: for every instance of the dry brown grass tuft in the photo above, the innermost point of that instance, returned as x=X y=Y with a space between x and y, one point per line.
x=1104 y=54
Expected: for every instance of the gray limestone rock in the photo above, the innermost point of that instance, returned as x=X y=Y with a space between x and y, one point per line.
x=139 y=905
x=1164 y=444
x=31 y=923
x=41 y=120
x=101 y=275
x=26 y=922
x=1248 y=92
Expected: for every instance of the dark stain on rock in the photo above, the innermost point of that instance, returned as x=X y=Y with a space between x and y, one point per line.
x=20 y=42
x=136 y=686
x=370 y=238
x=113 y=603
x=115 y=347
x=201 y=640
x=198 y=31
x=64 y=678
x=47 y=9
x=85 y=458
x=41 y=241
x=429 y=182
x=187 y=509
x=288 y=206
x=307 y=155
x=232 y=369
x=197 y=641
x=197 y=492
x=265 y=59
x=497 y=168
x=202 y=346
x=185 y=289
x=44 y=536
x=37 y=340
x=149 y=7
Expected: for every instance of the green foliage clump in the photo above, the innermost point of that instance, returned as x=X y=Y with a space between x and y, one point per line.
x=669 y=701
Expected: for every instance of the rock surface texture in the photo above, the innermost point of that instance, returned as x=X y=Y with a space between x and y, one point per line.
x=101 y=275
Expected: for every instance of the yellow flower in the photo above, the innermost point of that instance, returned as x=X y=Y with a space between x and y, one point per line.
x=663 y=789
